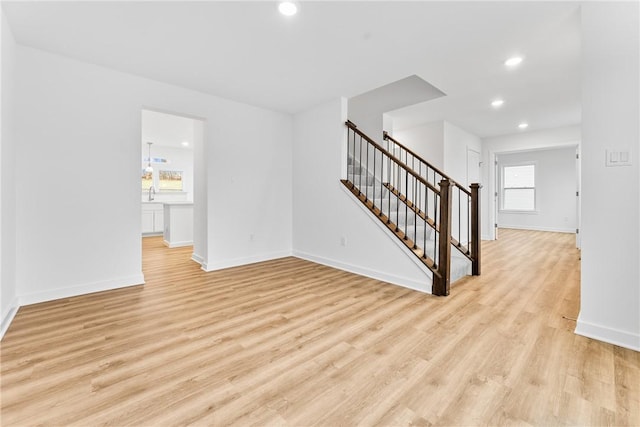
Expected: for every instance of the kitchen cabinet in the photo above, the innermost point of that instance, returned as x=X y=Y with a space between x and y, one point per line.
x=152 y=218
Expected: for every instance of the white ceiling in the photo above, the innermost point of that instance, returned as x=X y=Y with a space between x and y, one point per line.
x=247 y=51
x=166 y=130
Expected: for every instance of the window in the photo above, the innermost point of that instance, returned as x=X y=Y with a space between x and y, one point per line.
x=147 y=180
x=170 y=180
x=518 y=187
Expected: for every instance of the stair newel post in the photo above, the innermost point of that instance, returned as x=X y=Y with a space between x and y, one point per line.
x=475 y=228
x=441 y=279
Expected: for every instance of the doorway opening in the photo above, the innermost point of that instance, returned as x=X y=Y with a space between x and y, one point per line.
x=536 y=189
x=171 y=181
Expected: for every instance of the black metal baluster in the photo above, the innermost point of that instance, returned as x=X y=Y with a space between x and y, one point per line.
x=406 y=202
x=426 y=198
x=459 y=216
x=360 y=174
x=468 y=222
x=420 y=175
x=436 y=259
x=388 y=190
x=397 y=199
x=426 y=202
x=366 y=177
x=415 y=215
x=373 y=197
x=353 y=160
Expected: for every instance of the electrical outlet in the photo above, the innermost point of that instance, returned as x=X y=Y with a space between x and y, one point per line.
x=251 y=237
x=343 y=241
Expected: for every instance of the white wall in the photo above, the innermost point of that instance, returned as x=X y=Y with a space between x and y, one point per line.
x=249 y=188
x=442 y=144
x=568 y=136
x=555 y=191
x=368 y=109
x=8 y=293
x=324 y=212
x=78 y=227
x=200 y=209
x=426 y=140
x=610 y=292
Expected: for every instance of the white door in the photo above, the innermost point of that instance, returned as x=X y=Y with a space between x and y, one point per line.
x=473 y=167
x=473 y=176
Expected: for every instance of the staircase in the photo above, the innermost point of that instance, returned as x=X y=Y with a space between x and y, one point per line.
x=436 y=218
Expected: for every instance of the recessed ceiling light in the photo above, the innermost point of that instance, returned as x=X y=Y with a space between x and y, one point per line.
x=288 y=8
x=497 y=103
x=513 y=61
x=185 y=143
x=523 y=125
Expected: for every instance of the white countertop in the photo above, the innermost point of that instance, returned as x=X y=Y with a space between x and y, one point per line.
x=177 y=203
x=153 y=202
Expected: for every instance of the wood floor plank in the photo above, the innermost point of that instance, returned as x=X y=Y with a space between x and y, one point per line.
x=290 y=342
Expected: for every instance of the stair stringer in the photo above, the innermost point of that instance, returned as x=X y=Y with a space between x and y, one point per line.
x=428 y=275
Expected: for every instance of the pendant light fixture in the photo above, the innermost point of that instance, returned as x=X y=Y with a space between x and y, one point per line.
x=149 y=169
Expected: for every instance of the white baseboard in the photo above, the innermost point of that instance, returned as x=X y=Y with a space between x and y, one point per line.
x=177 y=244
x=536 y=228
x=405 y=282
x=235 y=262
x=609 y=335
x=74 y=291
x=197 y=258
x=7 y=317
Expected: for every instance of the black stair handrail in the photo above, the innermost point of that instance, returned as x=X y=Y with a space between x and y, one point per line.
x=430 y=205
x=392 y=157
x=407 y=150
x=426 y=194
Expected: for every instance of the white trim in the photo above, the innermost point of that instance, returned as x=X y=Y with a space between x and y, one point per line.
x=7 y=318
x=73 y=291
x=177 y=244
x=405 y=282
x=197 y=258
x=518 y=212
x=536 y=228
x=502 y=188
x=609 y=335
x=235 y=262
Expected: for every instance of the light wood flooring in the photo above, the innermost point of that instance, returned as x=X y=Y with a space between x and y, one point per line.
x=289 y=342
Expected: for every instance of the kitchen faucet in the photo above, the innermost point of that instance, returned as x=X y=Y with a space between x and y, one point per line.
x=152 y=193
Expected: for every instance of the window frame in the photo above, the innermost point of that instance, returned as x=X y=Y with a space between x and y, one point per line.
x=534 y=188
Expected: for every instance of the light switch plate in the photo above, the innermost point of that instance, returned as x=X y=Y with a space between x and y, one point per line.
x=618 y=157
